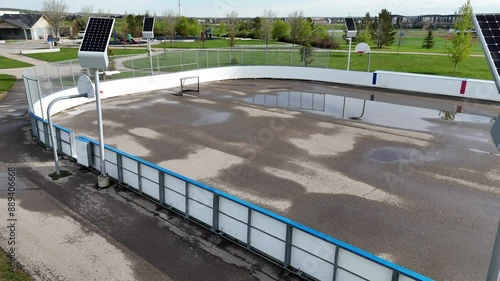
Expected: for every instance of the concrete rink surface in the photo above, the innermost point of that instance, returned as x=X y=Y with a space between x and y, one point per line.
x=412 y=181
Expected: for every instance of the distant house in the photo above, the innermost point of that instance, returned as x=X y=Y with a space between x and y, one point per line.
x=23 y=27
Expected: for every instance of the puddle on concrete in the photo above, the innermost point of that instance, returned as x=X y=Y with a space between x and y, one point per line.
x=376 y=112
x=393 y=154
x=213 y=118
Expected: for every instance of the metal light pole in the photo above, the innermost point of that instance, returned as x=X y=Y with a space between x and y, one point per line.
x=150 y=56
x=103 y=179
x=349 y=55
x=494 y=271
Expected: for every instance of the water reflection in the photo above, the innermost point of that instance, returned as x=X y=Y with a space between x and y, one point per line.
x=375 y=109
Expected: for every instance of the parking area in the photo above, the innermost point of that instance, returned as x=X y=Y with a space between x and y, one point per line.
x=413 y=181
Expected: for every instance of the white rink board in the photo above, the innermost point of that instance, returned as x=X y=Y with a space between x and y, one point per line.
x=233 y=209
x=267 y=244
x=363 y=267
x=269 y=225
x=314 y=245
x=234 y=228
x=175 y=184
x=313 y=265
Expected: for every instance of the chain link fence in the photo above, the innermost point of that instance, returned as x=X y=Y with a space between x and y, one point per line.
x=44 y=80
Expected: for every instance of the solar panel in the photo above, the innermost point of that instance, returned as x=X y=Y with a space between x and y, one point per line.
x=93 y=50
x=148 y=27
x=97 y=35
x=148 y=24
x=488 y=30
x=351 y=27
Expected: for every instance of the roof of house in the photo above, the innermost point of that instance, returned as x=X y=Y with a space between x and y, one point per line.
x=24 y=21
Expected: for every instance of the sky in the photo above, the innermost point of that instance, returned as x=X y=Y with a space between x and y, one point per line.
x=253 y=8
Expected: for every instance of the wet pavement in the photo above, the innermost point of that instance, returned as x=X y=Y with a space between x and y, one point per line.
x=69 y=230
x=403 y=182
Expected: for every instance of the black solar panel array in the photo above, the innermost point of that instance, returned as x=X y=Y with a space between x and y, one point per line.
x=349 y=22
x=97 y=35
x=489 y=27
x=148 y=24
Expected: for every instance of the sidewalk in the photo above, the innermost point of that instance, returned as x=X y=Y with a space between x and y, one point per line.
x=18 y=72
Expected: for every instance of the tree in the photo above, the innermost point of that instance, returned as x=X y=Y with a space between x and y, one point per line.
x=280 y=30
x=428 y=40
x=54 y=10
x=459 y=46
x=305 y=31
x=296 y=20
x=182 y=26
x=267 y=25
x=366 y=30
x=257 y=26
x=194 y=28
x=384 y=34
x=232 y=27
x=169 y=22
x=306 y=54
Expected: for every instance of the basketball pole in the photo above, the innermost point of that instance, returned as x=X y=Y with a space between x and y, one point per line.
x=150 y=56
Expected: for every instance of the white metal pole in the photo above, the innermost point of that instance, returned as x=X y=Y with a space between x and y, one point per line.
x=150 y=56
x=369 y=60
x=102 y=165
x=349 y=55
x=494 y=271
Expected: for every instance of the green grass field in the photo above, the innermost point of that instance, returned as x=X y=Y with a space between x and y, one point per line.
x=6 y=275
x=218 y=43
x=412 y=42
x=10 y=63
x=72 y=54
x=6 y=83
x=476 y=67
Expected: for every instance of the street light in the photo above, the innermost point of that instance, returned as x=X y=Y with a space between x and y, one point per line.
x=93 y=54
x=350 y=33
x=147 y=32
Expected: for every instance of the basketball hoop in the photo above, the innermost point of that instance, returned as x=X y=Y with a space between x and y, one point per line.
x=362 y=48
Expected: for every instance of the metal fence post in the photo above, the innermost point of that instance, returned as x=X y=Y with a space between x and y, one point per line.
x=253 y=57
x=249 y=228
x=230 y=56
x=207 y=56
x=288 y=246
x=132 y=64
x=335 y=263
x=291 y=57
x=215 y=213
x=119 y=167
x=279 y=56
x=158 y=62
x=139 y=182
x=241 y=57
x=161 y=184
x=59 y=73
x=186 y=191
x=40 y=98
x=48 y=79
x=180 y=57
x=266 y=55
x=197 y=61
x=327 y=58
x=72 y=73
x=218 y=63
x=316 y=58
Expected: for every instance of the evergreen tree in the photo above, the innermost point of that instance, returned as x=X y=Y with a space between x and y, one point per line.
x=383 y=31
x=428 y=40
